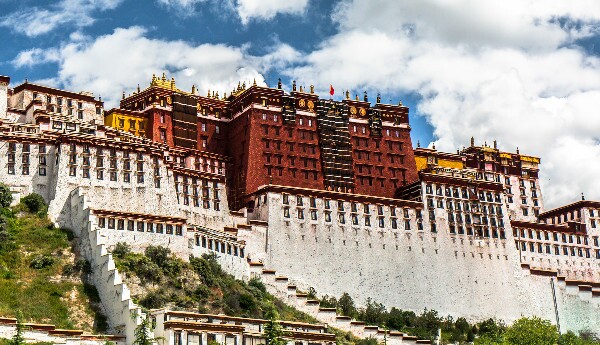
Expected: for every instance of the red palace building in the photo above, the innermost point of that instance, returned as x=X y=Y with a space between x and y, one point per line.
x=268 y=136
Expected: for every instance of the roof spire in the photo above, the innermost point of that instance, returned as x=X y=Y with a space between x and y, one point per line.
x=347 y=94
x=418 y=143
x=254 y=82
x=312 y=89
x=582 y=196
x=472 y=141
x=366 y=98
x=279 y=83
x=294 y=85
x=194 y=89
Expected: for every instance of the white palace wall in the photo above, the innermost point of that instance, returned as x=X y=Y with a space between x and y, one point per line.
x=408 y=269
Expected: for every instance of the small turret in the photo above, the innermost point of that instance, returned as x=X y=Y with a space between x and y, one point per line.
x=366 y=98
x=279 y=83
x=294 y=85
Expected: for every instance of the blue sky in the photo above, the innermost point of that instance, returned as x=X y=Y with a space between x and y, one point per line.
x=523 y=72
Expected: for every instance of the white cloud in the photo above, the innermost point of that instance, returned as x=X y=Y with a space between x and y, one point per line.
x=35 y=56
x=249 y=10
x=36 y=21
x=495 y=70
x=109 y=64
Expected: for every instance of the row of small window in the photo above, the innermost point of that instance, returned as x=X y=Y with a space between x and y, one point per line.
x=113 y=176
x=478 y=231
x=476 y=219
x=59 y=100
x=69 y=125
x=572 y=215
x=186 y=180
x=140 y=226
x=277 y=159
x=510 y=200
x=391 y=145
x=25 y=169
x=25 y=148
x=354 y=206
x=278 y=171
x=302 y=134
x=86 y=149
x=556 y=236
x=547 y=249
x=522 y=192
x=461 y=193
x=466 y=206
x=521 y=183
x=86 y=161
x=205 y=191
x=354 y=219
x=218 y=246
x=25 y=158
x=133 y=124
x=196 y=202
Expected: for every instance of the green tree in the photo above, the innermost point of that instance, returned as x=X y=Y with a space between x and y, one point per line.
x=18 y=338
x=273 y=331
x=346 y=305
x=121 y=249
x=532 y=331
x=5 y=196
x=143 y=332
x=35 y=203
x=374 y=313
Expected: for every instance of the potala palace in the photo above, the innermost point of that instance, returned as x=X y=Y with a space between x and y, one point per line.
x=300 y=191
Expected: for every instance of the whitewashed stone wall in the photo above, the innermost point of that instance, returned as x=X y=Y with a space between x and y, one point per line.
x=3 y=99
x=123 y=315
x=410 y=269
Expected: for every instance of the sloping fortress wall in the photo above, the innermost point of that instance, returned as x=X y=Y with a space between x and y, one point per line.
x=465 y=234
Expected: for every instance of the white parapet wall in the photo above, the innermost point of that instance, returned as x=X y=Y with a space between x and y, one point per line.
x=123 y=315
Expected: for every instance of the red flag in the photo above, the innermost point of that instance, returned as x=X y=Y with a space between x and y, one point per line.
x=331 y=90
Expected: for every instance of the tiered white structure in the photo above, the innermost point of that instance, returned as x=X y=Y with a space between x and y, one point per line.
x=109 y=186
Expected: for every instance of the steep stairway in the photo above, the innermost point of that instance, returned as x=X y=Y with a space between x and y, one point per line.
x=280 y=287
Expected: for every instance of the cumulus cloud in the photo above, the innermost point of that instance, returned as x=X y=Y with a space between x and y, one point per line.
x=249 y=10
x=119 y=61
x=35 y=56
x=497 y=70
x=35 y=21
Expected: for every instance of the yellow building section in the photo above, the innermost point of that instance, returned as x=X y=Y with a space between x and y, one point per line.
x=423 y=162
x=451 y=163
x=133 y=124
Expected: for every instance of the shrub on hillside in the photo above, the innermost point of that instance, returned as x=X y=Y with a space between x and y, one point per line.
x=41 y=262
x=35 y=203
x=5 y=195
x=120 y=250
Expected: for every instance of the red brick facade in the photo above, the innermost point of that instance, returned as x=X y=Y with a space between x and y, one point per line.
x=272 y=137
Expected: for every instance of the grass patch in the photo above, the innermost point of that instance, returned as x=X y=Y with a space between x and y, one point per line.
x=33 y=257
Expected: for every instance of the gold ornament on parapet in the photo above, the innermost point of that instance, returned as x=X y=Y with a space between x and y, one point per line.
x=311 y=105
x=363 y=112
x=169 y=101
x=353 y=110
x=301 y=103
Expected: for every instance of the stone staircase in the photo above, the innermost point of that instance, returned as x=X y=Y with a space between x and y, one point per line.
x=280 y=287
x=585 y=290
x=123 y=314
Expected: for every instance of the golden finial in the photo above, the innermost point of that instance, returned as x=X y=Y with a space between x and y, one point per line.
x=279 y=86
x=123 y=94
x=213 y=94
x=356 y=96
x=400 y=103
x=366 y=98
x=254 y=82
x=208 y=95
x=164 y=77
x=312 y=89
x=138 y=89
x=239 y=88
x=172 y=83
x=347 y=94
x=217 y=95
x=244 y=86
x=153 y=78
x=225 y=95
x=378 y=97
x=193 y=89
x=294 y=85
x=472 y=141
x=433 y=146
x=301 y=88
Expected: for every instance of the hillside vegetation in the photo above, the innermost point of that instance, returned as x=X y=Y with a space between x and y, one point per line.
x=40 y=278
x=160 y=279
